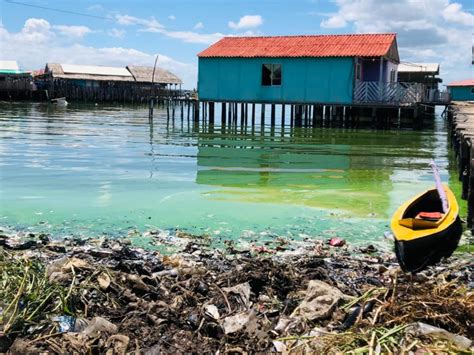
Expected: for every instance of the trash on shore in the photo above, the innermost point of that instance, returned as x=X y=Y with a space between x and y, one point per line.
x=103 y=296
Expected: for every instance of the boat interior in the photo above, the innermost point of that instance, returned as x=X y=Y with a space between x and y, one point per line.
x=429 y=202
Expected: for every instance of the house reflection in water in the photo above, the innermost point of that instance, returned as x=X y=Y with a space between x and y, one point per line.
x=316 y=167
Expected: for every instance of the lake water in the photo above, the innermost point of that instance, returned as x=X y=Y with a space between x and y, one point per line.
x=89 y=170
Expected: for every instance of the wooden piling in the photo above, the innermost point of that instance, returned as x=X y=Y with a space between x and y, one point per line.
x=223 y=112
x=273 y=115
x=283 y=113
x=211 y=112
x=253 y=114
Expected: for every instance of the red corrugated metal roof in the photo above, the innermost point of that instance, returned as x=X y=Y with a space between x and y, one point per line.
x=352 y=45
x=466 y=82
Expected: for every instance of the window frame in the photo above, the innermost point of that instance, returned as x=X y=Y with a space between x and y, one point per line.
x=358 y=71
x=393 y=75
x=273 y=67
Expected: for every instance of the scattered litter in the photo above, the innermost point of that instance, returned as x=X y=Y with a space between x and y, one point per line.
x=212 y=311
x=423 y=329
x=319 y=302
x=336 y=242
x=105 y=296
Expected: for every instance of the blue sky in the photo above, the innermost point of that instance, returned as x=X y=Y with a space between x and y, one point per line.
x=133 y=32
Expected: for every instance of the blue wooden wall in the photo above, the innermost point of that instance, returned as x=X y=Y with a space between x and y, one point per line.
x=304 y=80
x=461 y=93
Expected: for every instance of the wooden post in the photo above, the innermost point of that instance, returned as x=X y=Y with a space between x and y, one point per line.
x=306 y=115
x=273 y=115
x=283 y=115
x=223 y=112
x=253 y=114
x=236 y=113
x=298 y=115
x=211 y=112
x=292 y=115
x=196 y=111
x=470 y=196
x=150 y=112
x=317 y=114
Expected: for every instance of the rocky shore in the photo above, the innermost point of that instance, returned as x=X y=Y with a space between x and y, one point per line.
x=106 y=296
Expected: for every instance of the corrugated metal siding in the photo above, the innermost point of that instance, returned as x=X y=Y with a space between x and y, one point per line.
x=304 y=80
x=9 y=65
x=94 y=70
x=354 y=45
x=418 y=68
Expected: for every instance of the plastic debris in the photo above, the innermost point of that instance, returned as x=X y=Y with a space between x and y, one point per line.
x=240 y=321
x=99 y=325
x=242 y=291
x=104 y=281
x=319 y=302
x=336 y=242
x=419 y=328
x=65 y=323
x=212 y=312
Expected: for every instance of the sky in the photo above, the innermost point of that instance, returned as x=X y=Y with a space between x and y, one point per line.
x=119 y=32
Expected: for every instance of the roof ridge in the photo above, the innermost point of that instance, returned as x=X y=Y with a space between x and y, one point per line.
x=318 y=35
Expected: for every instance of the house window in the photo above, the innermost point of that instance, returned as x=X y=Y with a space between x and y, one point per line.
x=271 y=74
x=358 y=71
x=393 y=74
x=472 y=90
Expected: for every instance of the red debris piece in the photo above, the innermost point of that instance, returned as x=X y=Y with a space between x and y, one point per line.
x=261 y=249
x=336 y=242
x=431 y=216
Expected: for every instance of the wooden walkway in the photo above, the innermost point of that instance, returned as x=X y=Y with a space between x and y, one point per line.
x=460 y=117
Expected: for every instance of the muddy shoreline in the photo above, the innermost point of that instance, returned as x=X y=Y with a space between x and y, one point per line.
x=106 y=296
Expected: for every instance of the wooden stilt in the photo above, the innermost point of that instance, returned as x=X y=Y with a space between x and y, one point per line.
x=253 y=114
x=211 y=112
x=273 y=115
x=283 y=112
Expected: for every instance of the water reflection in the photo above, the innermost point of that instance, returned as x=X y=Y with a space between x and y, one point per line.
x=106 y=169
x=318 y=167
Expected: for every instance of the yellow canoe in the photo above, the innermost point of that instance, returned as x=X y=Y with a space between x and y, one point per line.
x=420 y=242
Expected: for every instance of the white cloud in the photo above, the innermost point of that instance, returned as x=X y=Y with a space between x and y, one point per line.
x=198 y=26
x=116 y=33
x=172 y=17
x=427 y=30
x=186 y=36
x=153 y=26
x=35 y=30
x=334 y=22
x=247 y=21
x=453 y=13
x=36 y=44
x=96 y=7
x=127 y=20
x=73 y=31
